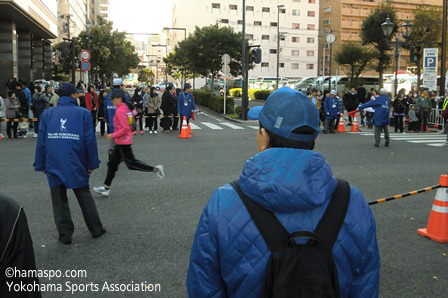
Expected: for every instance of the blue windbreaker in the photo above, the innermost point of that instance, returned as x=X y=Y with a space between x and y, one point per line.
x=110 y=109
x=331 y=108
x=381 y=105
x=66 y=146
x=185 y=105
x=28 y=95
x=229 y=257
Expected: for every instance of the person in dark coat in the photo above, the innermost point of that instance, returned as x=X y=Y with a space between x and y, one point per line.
x=101 y=99
x=137 y=101
x=350 y=102
x=400 y=110
x=69 y=127
x=16 y=249
x=167 y=106
x=176 y=94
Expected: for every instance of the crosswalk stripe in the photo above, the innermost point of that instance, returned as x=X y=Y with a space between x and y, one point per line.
x=211 y=125
x=427 y=141
x=194 y=126
x=254 y=127
x=417 y=139
x=231 y=125
x=437 y=145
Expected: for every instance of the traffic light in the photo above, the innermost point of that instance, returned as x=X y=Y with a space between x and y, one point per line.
x=415 y=54
x=65 y=50
x=256 y=53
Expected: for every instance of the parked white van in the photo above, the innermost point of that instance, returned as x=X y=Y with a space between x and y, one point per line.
x=339 y=83
x=305 y=82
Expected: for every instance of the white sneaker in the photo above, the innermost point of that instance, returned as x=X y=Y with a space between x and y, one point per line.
x=155 y=132
x=35 y=135
x=160 y=172
x=101 y=190
x=150 y=132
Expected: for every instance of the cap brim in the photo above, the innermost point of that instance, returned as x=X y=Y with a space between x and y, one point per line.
x=254 y=113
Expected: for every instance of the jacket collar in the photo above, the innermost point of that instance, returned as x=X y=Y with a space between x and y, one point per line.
x=67 y=101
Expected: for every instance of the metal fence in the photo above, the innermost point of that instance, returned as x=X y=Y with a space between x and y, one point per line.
x=435 y=119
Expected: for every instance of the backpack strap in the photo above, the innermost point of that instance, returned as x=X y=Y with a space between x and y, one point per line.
x=274 y=233
x=327 y=230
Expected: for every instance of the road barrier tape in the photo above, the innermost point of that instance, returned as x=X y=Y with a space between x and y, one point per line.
x=6 y=120
x=138 y=117
x=400 y=196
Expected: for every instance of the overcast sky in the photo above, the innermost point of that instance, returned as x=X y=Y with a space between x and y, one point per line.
x=140 y=16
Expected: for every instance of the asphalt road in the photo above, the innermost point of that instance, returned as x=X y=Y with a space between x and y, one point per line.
x=150 y=223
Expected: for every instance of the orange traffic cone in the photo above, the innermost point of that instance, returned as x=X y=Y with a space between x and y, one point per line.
x=190 y=132
x=341 y=126
x=437 y=228
x=184 y=132
x=355 y=126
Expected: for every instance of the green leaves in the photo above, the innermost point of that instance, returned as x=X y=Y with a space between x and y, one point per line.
x=354 y=58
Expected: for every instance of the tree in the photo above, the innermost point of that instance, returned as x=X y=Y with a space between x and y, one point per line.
x=372 y=34
x=354 y=58
x=145 y=75
x=427 y=30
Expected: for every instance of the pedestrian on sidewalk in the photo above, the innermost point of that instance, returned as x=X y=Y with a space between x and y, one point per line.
x=122 y=150
x=137 y=101
x=40 y=104
x=67 y=153
x=92 y=103
x=176 y=94
x=167 y=106
x=381 y=104
x=424 y=107
x=186 y=105
x=331 y=108
x=101 y=120
x=400 y=110
x=413 y=120
x=12 y=105
x=292 y=185
x=2 y=116
x=153 y=101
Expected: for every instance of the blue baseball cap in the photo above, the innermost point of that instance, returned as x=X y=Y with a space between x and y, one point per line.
x=287 y=109
x=67 y=89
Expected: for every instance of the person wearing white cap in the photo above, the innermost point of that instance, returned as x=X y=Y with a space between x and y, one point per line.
x=331 y=109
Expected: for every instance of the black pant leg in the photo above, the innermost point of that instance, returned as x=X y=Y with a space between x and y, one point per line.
x=89 y=211
x=112 y=165
x=102 y=127
x=140 y=121
x=61 y=211
x=175 y=120
x=133 y=164
x=8 y=128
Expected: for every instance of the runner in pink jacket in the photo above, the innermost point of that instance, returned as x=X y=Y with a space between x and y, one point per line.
x=122 y=150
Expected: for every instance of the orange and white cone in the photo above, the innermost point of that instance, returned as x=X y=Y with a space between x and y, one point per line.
x=341 y=126
x=355 y=126
x=184 y=132
x=437 y=228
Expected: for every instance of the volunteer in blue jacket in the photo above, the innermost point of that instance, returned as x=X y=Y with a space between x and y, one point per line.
x=185 y=104
x=229 y=258
x=109 y=107
x=331 y=108
x=67 y=153
x=381 y=104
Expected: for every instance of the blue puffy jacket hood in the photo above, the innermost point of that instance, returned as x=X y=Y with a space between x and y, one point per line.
x=308 y=177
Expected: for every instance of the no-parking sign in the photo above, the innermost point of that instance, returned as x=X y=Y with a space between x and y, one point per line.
x=85 y=66
x=85 y=55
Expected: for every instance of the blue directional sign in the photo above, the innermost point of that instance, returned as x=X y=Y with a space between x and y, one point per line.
x=85 y=66
x=430 y=62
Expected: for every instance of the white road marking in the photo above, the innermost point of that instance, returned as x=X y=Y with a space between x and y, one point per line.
x=211 y=125
x=437 y=145
x=418 y=139
x=194 y=126
x=427 y=141
x=254 y=127
x=231 y=125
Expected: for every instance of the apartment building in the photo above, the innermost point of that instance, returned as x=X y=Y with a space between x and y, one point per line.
x=72 y=16
x=299 y=22
x=344 y=18
x=99 y=8
x=27 y=28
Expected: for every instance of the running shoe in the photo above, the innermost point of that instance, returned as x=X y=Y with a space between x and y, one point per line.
x=101 y=190
x=160 y=172
x=142 y=132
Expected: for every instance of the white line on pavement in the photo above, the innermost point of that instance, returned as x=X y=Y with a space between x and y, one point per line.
x=416 y=139
x=194 y=126
x=436 y=145
x=231 y=125
x=211 y=125
x=254 y=127
x=428 y=141
x=203 y=113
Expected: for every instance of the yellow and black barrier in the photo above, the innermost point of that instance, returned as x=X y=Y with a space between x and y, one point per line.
x=138 y=117
x=412 y=193
x=19 y=120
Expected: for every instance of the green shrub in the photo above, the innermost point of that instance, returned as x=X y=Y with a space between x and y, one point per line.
x=262 y=94
x=239 y=111
x=202 y=97
x=236 y=92
x=214 y=103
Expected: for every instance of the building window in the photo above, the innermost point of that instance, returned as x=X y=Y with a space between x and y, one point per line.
x=294 y=65
x=310 y=40
x=257 y=23
x=310 y=27
x=295 y=39
x=295 y=26
x=224 y=21
x=233 y=7
x=310 y=53
x=282 y=37
x=312 y=1
x=249 y=8
x=311 y=13
x=216 y=5
x=240 y=22
x=327 y=22
x=282 y=65
x=264 y=64
x=327 y=9
x=266 y=9
x=282 y=10
x=265 y=37
x=273 y=24
x=296 y=12
x=310 y=66
x=272 y=51
x=295 y=53
x=249 y=36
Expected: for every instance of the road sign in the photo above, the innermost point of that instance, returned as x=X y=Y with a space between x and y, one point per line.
x=430 y=56
x=225 y=69
x=85 y=55
x=85 y=66
x=226 y=59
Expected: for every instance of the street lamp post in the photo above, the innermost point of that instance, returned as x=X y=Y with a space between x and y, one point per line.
x=388 y=28
x=278 y=42
x=443 y=67
x=244 y=101
x=166 y=54
x=185 y=37
x=88 y=26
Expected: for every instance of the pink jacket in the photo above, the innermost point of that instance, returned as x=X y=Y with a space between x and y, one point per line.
x=123 y=130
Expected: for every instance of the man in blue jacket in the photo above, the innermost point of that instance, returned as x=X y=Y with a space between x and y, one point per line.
x=331 y=109
x=229 y=257
x=381 y=105
x=67 y=153
x=109 y=107
x=185 y=104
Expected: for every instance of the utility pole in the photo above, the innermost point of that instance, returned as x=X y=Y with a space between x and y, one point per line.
x=278 y=43
x=443 y=67
x=73 y=50
x=244 y=100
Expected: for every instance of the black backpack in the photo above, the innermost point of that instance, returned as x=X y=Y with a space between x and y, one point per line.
x=301 y=270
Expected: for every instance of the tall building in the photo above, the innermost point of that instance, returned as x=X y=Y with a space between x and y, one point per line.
x=299 y=21
x=99 y=8
x=72 y=15
x=344 y=19
x=26 y=30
